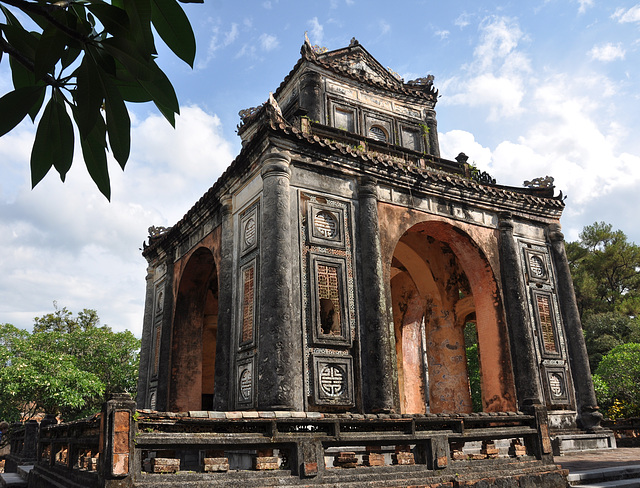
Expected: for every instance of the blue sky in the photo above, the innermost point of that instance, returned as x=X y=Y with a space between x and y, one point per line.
x=527 y=89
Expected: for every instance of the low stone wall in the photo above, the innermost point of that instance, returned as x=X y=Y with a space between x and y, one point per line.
x=124 y=447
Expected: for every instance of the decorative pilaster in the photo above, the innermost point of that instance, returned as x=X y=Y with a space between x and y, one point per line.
x=279 y=350
x=146 y=343
x=432 y=125
x=222 y=392
x=519 y=322
x=377 y=366
x=588 y=415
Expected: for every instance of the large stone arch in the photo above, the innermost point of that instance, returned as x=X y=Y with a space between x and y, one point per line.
x=194 y=334
x=445 y=278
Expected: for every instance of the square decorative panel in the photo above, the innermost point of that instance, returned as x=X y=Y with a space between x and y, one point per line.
x=537 y=264
x=245 y=382
x=249 y=229
x=556 y=385
x=333 y=380
x=326 y=225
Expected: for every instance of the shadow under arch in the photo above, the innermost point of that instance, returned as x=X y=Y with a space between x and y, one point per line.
x=194 y=334
x=438 y=278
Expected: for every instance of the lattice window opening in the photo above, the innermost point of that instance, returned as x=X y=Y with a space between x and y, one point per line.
x=248 y=304
x=329 y=300
x=377 y=133
x=543 y=304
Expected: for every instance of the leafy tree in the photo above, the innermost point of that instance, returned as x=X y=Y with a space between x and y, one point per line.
x=68 y=366
x=604 y=331
x=606 y=271
x=617 y=379
x=87 y=57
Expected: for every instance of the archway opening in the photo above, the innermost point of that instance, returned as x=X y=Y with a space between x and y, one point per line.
x=447 y=317
x=195 y=326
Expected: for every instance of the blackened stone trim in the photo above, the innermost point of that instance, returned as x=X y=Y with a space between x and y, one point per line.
x=221 y=395
x=377 y=367
x=589 y=417
x=279 y=352
x=515 y=301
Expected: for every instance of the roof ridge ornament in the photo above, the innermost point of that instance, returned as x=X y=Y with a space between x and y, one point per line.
x=541 y=182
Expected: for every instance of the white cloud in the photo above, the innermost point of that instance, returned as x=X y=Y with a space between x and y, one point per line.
x=268 y=42
x=629 y=15
x=215 y=43
x=442 y=34
x=607 y=52
x=498 y=72
x=317 y=31
x=66 y=242
x=385 y=28
x=463 y=20
x=267 y=5
x=584 y=4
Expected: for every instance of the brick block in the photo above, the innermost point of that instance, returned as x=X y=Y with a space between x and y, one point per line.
x=264 y=463
x=403 y=458
x=165 y=465
x=345 y=459
x=373 y=459
x=216 y=465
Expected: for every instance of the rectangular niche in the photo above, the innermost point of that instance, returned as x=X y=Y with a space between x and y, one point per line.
x=537 y=266
x=343 y=116
x=411 y=138
x=248 y=303
x=245 y=382
x=333 y=380
x=546 y=321
x=329 y=308
x=325 y=225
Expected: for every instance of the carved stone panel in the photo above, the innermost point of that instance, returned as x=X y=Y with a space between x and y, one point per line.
x=249 y=229
x=537 y=266
x=556 y=385
x=245 y=382
x=248 y=287
x=333 y=380
x=326 y=225
x=547 y=322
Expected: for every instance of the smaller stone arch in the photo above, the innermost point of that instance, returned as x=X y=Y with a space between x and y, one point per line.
x=194 y=335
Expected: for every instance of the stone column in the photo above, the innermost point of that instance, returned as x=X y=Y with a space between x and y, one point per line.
x=146 y=349
x=310 y=96
x=376 y=325
x=223 y=391
x=588 y=415
x=279 y=349
x=432 y=124
x=523 y=354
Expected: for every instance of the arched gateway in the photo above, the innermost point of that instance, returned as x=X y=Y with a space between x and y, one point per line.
x=335 y=265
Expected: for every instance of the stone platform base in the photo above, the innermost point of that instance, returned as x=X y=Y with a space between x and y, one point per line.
x=567 y=443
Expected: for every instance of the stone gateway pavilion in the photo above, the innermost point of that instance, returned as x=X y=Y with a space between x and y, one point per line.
x=343 y=297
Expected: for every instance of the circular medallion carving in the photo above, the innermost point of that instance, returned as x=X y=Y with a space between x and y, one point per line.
x=537 y=267
x=245 y=385
x=326 y=224
x=332 y=380
x=250 y=232
x=555 y=384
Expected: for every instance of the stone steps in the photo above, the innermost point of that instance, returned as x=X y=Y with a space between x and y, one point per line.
x=16 y=480
x=628 y=476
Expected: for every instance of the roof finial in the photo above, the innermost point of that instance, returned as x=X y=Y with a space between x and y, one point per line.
x=306 y=38
x=354 y=42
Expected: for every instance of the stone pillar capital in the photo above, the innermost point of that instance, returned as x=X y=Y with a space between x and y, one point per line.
x=555 y=234
x=276 y=164
x=368 y=187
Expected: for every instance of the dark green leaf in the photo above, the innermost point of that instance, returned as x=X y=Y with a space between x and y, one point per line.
x=11 y=19
x=118 y=122
x=115 y=20
x=88 y=95
x=53 y=145
x=139 y=12
x=33 y=111
x=49 y=51
x=25 y=42
x=15 y=105
x=70 y=54
x=174 y=28
x=127 y=53
x=94 y=151
x=163 y=94
x=21 y=76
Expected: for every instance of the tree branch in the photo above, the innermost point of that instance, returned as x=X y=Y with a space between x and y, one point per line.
x=45 y=10
x=26 y=62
